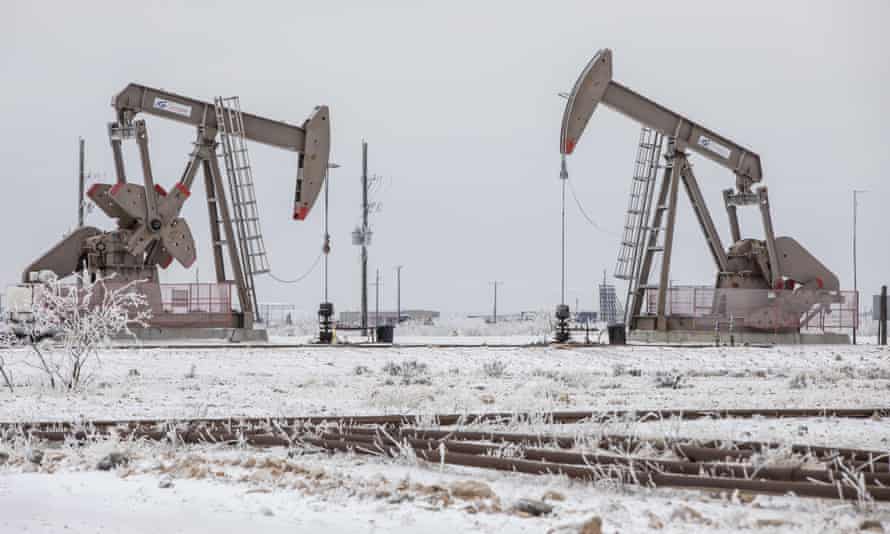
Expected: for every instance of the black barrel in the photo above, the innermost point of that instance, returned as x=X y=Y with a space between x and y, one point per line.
x=385 y=333
x=616 y=334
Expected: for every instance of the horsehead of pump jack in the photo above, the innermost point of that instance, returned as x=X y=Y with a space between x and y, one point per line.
x=748 y=264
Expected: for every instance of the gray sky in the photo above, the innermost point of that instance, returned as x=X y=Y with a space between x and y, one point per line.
x=458 y=101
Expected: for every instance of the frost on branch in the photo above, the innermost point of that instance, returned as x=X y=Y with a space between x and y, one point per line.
x=83 y=318
x=8 y=341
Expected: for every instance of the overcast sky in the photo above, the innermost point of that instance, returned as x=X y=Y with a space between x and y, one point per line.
x=458 y=101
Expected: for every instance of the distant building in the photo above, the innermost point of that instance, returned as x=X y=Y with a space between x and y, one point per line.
x=507 y=317
x=277 y=313
x=354 y=318
x=610 y=308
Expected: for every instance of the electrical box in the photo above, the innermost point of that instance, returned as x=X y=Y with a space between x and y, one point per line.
x=876 y=307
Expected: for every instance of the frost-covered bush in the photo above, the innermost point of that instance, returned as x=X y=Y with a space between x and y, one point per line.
x=494 y=368
x=410 y=372
x=84 y=317
x=799 y=381
x=565 y=379
x=8 y=341
x=669 y=381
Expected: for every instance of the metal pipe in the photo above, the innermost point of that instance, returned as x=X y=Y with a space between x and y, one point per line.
x=563 y=177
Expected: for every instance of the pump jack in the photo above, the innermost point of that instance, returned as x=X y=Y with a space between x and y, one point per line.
x=791 y=284
x=150 y=231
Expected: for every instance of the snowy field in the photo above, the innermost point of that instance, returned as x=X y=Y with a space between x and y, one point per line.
x=224 y=489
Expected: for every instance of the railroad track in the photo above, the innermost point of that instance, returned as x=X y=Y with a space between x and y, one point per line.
x=825 y=472
x=413 y=345
x=558 y=417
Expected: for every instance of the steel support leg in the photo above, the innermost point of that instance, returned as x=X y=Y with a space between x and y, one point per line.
x=775 y=269
x=732 y=212
x=654 y=229
x=118 y=154
x=715 y=245
x=231 y=244
x=664 y=281
x=215 y=237
x=151 y=196
x=191 y=168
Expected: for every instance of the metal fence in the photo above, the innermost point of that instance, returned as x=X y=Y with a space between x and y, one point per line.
x=196 y=298
x=763 y=309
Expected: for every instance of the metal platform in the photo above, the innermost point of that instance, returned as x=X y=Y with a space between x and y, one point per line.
x=233 y=335
x=702 y=337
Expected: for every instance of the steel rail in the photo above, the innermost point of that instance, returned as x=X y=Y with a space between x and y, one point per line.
x=377 y=438
x=696 y=450
x=686 y=448
x=557 y=417
x=734 y=470
x=836 y=490
x=669 y=473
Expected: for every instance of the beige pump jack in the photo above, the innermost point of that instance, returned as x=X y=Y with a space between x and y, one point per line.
x=150 y=230
x=763 y=266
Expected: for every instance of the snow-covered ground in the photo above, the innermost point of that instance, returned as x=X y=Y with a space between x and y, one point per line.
x=223 y=489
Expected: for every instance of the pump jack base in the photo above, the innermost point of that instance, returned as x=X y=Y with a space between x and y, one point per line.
x=738 y=338
x=232 y=335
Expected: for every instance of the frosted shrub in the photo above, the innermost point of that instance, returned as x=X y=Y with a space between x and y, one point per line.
x=8 y=341
x=799 y=381
x=411 y=372
x=668 y=381
x=494 y=369
x=85 y=318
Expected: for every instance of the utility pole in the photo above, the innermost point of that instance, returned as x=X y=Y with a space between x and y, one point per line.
x=882 y=317
x=81 y=183
x=495 y=283
x=377 y=300
x=364 y=238
x=856 y=192
x=399 y=293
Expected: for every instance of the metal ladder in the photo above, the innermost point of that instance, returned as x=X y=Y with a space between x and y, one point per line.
x=636 y=236
x=639 y=204
x=236 y=161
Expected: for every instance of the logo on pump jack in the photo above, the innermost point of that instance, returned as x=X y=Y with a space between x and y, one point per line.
x=172 y=107
x=714 y=146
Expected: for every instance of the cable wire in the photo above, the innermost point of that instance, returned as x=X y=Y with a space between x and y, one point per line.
x=584 y=213
x=301 y=277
